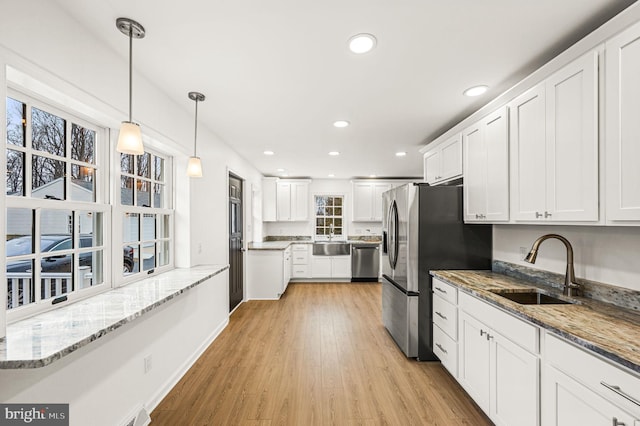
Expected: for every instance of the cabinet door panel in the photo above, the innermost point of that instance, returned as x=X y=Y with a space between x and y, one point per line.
x=341 y=267
x=362 y=201
x=474 y=353
x=300 y=201
x=378 y=189
x=527 y=143
x=514 y=384
x=283 y=196
x=474 y=174
x=321 y=267
x=451 y=163
x=623 y=125
x=496 y=136
x=432 y=166
x=572 y=141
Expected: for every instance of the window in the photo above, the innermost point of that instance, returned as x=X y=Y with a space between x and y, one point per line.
x=55 y=224
x=328 y=215
x=66 y=238
x=146 y=219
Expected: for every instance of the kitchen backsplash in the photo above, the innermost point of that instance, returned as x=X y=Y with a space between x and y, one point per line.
x=619 y=296
x=369 y=237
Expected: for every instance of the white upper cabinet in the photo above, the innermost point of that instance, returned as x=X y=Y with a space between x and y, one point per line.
x=486 y=169
x=285 y=200
x=367 y=200
x=554 y=146
x=444 y=161
x=622 y=146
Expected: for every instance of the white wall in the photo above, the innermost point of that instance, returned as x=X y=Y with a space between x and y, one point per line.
x=105 y=380
x=605 y=254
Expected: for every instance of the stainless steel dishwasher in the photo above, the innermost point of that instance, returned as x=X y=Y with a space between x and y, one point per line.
x=365 y=261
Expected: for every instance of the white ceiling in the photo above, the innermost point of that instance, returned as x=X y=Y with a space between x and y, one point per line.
x=278 y=73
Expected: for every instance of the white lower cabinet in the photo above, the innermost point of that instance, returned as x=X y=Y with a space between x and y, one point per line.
x=580 y=389
x=501 y=376
x=300 y=261
x=268 y=273
x=331 y=266
x=445 y=325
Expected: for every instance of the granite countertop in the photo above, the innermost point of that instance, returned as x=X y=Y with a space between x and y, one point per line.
x=42 y=339
x=283 y=245
x=606 y=329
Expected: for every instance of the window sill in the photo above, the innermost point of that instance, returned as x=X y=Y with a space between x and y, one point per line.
x=42 y=339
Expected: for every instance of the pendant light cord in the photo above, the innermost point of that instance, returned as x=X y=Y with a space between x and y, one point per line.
x=195 y=133
x=130 y=74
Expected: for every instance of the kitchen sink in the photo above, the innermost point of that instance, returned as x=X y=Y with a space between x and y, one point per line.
x=531 y=297
x=331 y=248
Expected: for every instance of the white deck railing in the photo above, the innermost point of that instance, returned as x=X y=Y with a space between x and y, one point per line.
x=52 y=284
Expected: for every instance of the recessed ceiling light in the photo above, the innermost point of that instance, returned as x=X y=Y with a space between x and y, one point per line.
x=284 y=174
x=362 y=43
x=341 y=123
x=372 y=176
x=331 y=175
x=334 y=153
x=401 y=154
x=475 y=90
x=268 y=153
x=279 y=170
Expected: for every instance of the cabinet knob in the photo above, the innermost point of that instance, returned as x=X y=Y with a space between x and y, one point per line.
x=547 y=214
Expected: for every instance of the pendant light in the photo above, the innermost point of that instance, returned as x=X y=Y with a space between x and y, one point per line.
x=194 y=167
x=130 y=138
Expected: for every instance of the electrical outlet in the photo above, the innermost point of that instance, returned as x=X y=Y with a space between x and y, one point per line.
x=147 y=364
x=523 y=253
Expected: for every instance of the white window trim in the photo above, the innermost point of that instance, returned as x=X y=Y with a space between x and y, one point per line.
x=344 y=215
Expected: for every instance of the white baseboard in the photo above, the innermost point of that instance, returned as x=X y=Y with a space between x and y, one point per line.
x=175 y=378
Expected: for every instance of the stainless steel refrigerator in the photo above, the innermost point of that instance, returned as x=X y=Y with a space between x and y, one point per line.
x=423 y=230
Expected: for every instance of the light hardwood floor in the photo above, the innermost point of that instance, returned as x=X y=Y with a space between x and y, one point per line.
x=318 y=356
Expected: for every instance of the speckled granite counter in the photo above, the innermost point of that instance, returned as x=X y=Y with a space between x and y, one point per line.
x=42 y=339
x=282 y=245
x=606 y=329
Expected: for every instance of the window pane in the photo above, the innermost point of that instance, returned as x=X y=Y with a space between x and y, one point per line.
x=15 y=173
x=55 y=230
x=91 y=229
x=83 y=187
x=91 y=270
x=158 y=168
x=20 y=290
x=16 y=122
x=134 y=249
x=148 y=227
x=148 y=256
x=19 y=231
x=47 y=132
x=83 y=144
x=55 y=276
x=144 y=165
x=163 y=253
x=337 y=201
x=338 y=211
x=142 y=193
x=48 y=178
x=128 y=261
x=126 y=163
x=158 y=196
x=163 y=226
x=131 y=227
x=126 y=191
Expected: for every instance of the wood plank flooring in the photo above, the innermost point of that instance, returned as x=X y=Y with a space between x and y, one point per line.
x=318 y=356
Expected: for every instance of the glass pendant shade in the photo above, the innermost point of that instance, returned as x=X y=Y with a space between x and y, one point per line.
x=194 y=167
x=130 y=139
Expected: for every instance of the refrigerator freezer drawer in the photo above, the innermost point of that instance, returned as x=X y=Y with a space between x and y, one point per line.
x=400 y=317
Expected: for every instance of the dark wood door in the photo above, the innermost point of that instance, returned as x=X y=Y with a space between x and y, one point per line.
x=236 y=251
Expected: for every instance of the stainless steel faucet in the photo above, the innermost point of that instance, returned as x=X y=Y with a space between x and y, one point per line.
x=571 y=287
x=331 y=231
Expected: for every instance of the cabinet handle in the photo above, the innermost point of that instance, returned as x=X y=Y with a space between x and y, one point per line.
x=620 y=392
x=441 y=348
x=615 y=422
x=538 y=214
x=441 y=290
x=489 y=337
x=482 y=332
x=440 y=315
x=547 y=214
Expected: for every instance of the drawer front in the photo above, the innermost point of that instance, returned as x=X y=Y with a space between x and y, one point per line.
x=300 y=257
x=518 y=331
x=446 y=291
x=594 y=373
x=445 y=316
x=446 y=349
x=300 y=247
x=300 y=271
